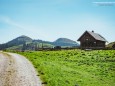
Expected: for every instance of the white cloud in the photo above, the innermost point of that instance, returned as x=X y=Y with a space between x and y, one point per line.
x=32 y=31
x=9 y=21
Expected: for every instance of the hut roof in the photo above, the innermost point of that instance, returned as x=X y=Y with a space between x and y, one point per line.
x=96 y=36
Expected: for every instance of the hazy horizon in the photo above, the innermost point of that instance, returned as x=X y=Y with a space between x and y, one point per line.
x=52 y=19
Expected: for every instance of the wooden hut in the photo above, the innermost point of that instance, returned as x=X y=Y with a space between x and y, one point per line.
x=91 y=40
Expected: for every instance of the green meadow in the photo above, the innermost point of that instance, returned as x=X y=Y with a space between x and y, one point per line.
x=74 y=67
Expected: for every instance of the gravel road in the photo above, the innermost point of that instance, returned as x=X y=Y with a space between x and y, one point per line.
x=16 y=70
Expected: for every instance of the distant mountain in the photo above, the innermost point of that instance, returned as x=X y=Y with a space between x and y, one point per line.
x=60 y=42
x=16 y=43
x=65 y=42
x=20 y=40
x=42 y=41
x=27 y=43
x=111 y=45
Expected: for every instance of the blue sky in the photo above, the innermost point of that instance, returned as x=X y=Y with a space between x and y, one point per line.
x=52 y=19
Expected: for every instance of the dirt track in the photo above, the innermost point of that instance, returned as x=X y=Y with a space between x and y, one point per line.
x=16 y=70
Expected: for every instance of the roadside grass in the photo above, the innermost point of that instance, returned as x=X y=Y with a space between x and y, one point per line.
x=74 y=67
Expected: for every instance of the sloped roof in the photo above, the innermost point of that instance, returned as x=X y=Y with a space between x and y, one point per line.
x=95 y=36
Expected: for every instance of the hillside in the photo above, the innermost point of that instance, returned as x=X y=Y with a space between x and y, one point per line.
x=19 y=40
x=111 y=45
x=27 y=43
x=65 y=42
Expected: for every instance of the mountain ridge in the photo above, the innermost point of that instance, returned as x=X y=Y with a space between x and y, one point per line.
x=22 y=40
